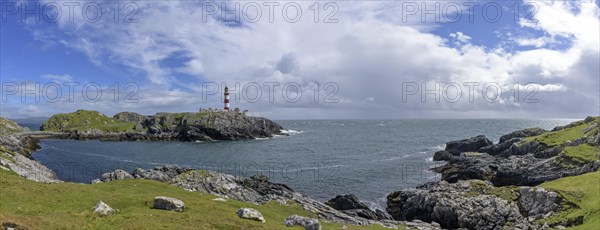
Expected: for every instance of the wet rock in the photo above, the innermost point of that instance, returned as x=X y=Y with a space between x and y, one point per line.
x=442 y=156
x=307 y=223
x=251 y=214
x=522 y=133
x=103 y=209
x=168 y=203
x=346 y=202
x=467 y=145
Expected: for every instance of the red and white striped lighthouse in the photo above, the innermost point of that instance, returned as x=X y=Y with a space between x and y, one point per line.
x=226 y=99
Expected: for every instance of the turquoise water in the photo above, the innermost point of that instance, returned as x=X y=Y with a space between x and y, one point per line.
x=320 y=158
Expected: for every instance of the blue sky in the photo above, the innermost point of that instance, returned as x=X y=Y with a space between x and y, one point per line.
x=175 y=49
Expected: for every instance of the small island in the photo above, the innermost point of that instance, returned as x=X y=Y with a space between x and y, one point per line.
x=206 y=125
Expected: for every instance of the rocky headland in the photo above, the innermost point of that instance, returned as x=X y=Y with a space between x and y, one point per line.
x=501 y=186
x=129 y=126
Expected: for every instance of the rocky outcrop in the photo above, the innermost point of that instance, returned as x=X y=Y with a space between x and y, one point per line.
x=350 y=205
x=15 y=154
x=128 y=126
x=112 y=176
x=346 y=202
x=161 y=173
x=168 y=203
x=129 y=117
x=500 y=148
x=522 y=133
x=457 y=205
x=103 y=209
x=472 y=144
x=306 y=223
x=251 y=214
x=526 y=170
x=442 y=156
x=538 y=203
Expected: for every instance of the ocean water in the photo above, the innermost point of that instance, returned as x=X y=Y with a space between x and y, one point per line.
x=320 y=158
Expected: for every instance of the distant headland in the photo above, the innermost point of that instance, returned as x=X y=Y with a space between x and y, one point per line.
x=206 y=125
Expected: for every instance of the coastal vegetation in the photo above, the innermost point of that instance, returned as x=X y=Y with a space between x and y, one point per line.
x=85 y=120
x=33 y=205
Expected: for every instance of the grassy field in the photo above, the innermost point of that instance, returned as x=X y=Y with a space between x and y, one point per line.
x=555 y=138
x=583 y=192
x=68 y=206
x=85 y=120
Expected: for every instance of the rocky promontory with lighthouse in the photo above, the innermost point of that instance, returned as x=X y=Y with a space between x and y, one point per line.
x=206 y=125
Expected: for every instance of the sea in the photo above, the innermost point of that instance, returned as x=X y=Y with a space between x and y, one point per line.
x=319 y=158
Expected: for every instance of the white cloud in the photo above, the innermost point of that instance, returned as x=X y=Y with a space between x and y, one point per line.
x=369 y=54
x=59 y=78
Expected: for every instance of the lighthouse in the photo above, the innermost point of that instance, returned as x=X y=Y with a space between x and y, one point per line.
x=226 y=99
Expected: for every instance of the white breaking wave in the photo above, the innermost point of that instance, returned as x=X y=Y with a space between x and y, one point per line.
x=291 y=131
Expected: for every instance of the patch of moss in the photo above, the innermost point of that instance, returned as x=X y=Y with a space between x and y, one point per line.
x=85 y=120
x=583 y=153
x=582 y=199
x=509 y=193
x=68 y=206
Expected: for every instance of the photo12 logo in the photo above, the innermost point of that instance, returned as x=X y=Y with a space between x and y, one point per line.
x=453 y=92
x=53 y=92
x=470 y=11
x=69 y=11
x=290 y=92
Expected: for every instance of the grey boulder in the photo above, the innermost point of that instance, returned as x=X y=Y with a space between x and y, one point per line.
x=103 y=209
x=251 y=214
x=307 y=223
x=168 y=203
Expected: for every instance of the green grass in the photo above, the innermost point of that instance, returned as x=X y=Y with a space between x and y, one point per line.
x=68 y=206
x=85 y=120
x=556 y=138
x=509 y=193
x=583 y=192
x=583 y=153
